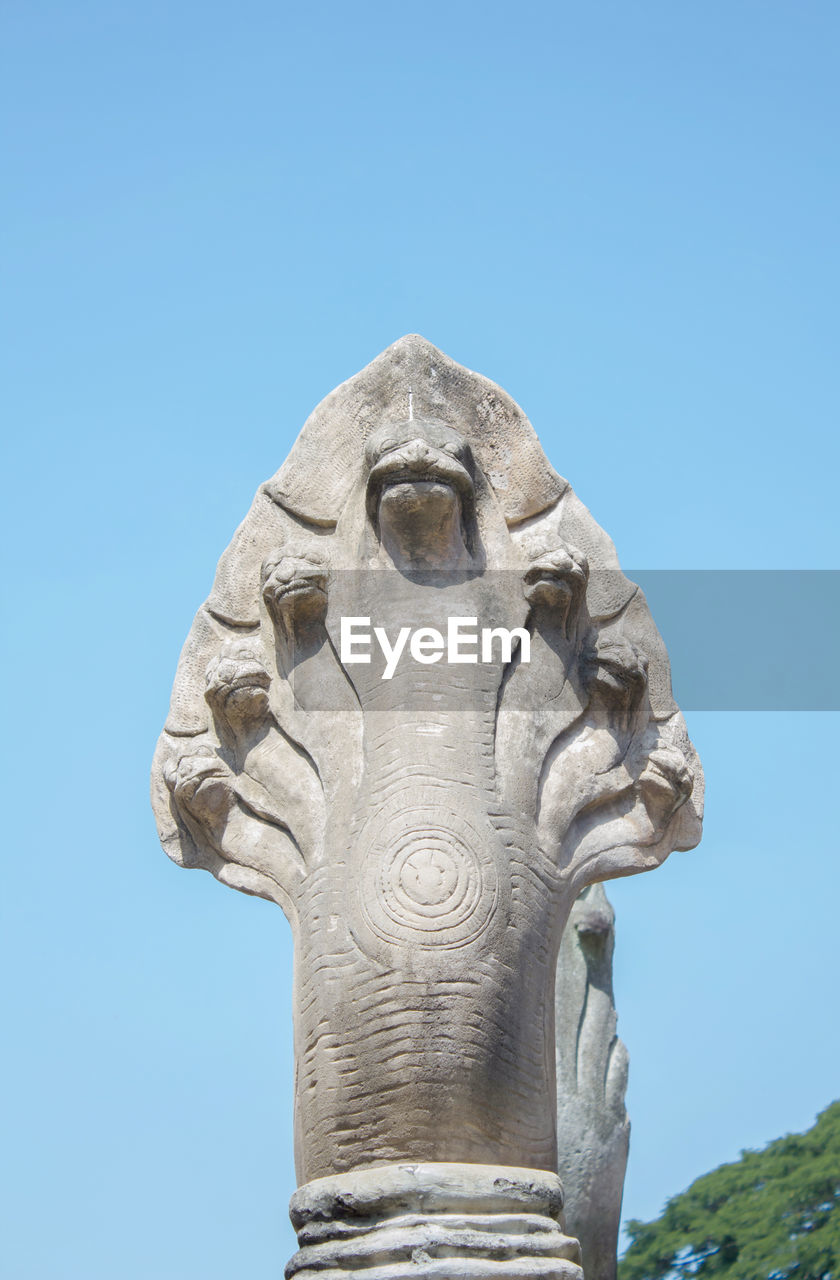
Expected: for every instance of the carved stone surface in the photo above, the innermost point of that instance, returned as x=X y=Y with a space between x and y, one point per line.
x=426 y=833
x=433 y=1222
x=593 y=1130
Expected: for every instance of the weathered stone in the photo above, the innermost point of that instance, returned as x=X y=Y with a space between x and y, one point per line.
x=593 y=1131
x=425 y=823
x=433 y=1222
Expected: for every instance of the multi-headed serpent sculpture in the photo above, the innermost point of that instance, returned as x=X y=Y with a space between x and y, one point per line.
x=428 y=833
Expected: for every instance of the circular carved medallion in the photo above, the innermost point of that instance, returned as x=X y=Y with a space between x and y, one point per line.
x=426 y=878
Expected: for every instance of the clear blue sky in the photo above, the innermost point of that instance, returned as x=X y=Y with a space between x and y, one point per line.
x=627 y=214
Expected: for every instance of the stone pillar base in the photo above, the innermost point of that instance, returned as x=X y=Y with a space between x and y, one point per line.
x=433 y=1222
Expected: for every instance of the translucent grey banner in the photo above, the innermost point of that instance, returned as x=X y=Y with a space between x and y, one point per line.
x=737 y=640
x=748 y=639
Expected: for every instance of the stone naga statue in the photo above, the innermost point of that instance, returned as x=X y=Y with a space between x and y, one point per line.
x=593 y=1129
x=425 y=819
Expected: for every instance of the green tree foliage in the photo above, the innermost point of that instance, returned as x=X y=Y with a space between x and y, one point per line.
x=771 y=1215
